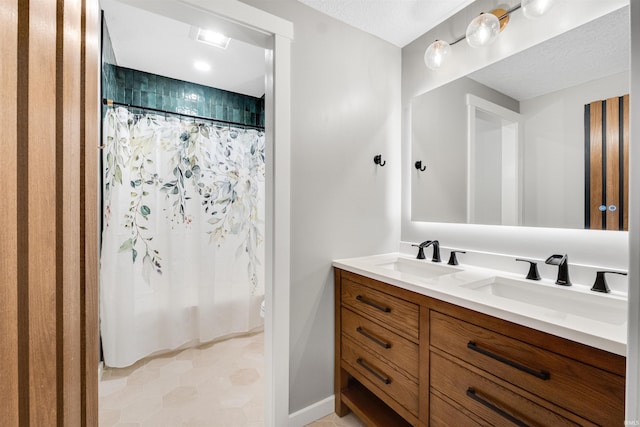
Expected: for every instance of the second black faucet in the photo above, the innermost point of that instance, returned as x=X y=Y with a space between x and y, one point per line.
x=436 y=250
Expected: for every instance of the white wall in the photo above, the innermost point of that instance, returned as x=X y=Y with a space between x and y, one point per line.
x=345 y=109
x=439 y=140
x=599 y=248
x=487 y=176
x=554 y=150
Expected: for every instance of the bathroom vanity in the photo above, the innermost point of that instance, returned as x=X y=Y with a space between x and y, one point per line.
x=419 y=343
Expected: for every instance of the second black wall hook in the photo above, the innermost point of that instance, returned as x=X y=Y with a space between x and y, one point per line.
x=377 y=159
x=420 y=167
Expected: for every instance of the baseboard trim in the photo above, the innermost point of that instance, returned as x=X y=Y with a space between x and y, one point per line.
x=312 y=412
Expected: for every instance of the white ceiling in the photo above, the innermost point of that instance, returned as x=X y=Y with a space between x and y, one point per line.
x=397 y=21
x=148 y=42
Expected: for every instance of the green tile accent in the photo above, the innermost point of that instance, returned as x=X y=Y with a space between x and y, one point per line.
x=150 y=90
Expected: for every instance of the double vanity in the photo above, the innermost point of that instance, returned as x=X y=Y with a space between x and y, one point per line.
x=420 y=343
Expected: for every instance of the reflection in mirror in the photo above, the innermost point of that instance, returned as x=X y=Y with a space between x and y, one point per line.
x=474 y=175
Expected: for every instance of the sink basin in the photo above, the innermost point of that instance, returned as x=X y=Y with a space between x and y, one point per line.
x=423 y=269
x=555 y=300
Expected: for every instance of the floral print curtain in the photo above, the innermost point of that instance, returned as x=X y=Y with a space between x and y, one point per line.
x=182 y=243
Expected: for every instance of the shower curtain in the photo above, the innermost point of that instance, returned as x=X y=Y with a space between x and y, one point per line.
x=182 y=250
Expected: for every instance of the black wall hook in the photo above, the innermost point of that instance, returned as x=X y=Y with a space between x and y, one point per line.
x=420 y=167
x=377 y=159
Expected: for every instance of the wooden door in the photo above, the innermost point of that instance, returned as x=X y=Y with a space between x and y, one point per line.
x=48 y=217
x=607 y=164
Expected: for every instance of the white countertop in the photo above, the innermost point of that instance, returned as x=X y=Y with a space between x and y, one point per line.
x=465 y=286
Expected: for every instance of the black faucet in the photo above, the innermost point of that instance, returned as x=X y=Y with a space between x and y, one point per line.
x=426 y=244
x=563 y=268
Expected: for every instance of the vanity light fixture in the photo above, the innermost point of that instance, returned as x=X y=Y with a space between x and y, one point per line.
x=436 y=53
x=484 y=29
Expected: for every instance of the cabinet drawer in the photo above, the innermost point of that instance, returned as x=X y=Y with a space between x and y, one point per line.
x=442 y=414
x=390 y=311
x=488 y=400
x=590 y=392
x=393 y=348
x=388 y=379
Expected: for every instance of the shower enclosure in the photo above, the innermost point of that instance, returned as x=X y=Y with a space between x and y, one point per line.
x=183 y=223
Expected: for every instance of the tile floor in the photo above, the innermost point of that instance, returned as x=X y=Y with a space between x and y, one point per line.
x=214 y=385
x=335 y=421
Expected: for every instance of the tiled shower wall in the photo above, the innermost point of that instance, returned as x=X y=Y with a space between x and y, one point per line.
x=150 y=90
x=108 y=60
x=144 y=89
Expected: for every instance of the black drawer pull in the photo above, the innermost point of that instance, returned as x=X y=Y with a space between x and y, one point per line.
x=372 y=338
x=543 y=375
x=379 y=376
x=373 y=304
x=472 y=394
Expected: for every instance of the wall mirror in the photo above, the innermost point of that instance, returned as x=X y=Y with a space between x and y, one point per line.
x=536 y=139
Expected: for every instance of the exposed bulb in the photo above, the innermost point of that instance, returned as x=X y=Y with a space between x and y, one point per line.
x=483 y=30
x=436 y=53
x=536 y=8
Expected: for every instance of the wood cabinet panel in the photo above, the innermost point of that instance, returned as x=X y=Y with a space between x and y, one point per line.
x=590 y=392
x=444 y=414
x=379 y=341
x=490 y=401
x=388 y=379
x=393 y=312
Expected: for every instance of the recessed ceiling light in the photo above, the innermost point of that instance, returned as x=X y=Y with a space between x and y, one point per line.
x=213 y=38
x=201 y=66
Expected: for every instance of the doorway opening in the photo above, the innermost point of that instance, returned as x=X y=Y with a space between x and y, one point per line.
x=274 y=35
x=495 y=165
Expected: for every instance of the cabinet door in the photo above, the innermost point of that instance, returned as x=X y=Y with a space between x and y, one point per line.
x=607 y=164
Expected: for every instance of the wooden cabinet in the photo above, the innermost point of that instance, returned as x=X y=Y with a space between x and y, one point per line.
x=557 y=376
x=404 y=359
x=377 y=335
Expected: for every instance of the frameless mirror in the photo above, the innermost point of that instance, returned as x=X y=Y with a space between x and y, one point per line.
x=525 y=141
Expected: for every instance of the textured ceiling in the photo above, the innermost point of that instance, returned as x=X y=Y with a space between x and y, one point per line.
x=396 y=21
x=597 y=49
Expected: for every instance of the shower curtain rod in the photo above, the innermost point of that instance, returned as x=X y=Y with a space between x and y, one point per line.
x=110 y=102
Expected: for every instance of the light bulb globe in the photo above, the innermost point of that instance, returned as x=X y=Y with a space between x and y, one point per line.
x=483 y=30
x=436 y=54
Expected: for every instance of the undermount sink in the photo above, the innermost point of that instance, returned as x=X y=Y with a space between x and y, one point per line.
x=423 y=269
x=556 y=300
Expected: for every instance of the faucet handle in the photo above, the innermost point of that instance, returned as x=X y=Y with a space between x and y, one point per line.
x=533 y=269
x=600 y=285
x=452 y=258
x=420 y=250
